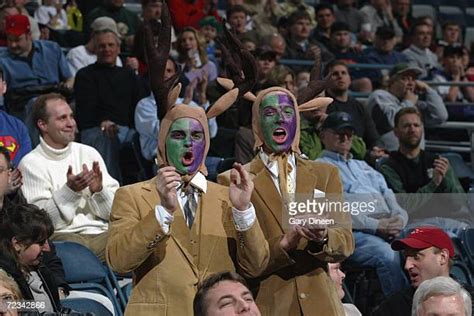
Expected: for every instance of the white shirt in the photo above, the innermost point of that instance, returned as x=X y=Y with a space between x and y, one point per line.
x=243 y=220
x=272 y=167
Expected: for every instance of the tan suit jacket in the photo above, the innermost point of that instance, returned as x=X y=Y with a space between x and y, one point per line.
x=298 y=283
x=167 y=268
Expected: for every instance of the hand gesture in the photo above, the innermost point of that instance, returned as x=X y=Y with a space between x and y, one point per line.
x=389 y=227
x=14 y=181
x=189 y=91
x=202 y=87
x=96 y=183
x=79 y=182
x=167 y=180
x=440 y=168
x=421 y=86
x=290 y=240
x=241 y=187
x=411 y=96
x=109 y=128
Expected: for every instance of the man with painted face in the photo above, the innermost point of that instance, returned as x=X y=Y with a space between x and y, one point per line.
x=176 y=229
x=297 y=271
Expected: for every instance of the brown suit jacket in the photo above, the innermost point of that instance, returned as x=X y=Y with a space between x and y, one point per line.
x=167 y=268
x=298 y=283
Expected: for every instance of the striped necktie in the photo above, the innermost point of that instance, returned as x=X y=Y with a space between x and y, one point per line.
x=190 y=207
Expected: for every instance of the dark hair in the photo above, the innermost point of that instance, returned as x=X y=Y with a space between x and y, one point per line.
x=234 y=9
x=1 y=73
x=323 y=6
x=339 y=26
x=332 y=64
x=199 y=304
x=405 y=111
x=6 y=153
x=419 y=22
x=28 y=224
x=449 y=23
x=298 y=15
x=146 y=2
x=39 y=107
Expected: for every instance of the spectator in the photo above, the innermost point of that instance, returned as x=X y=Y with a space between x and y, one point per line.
x=237 y=18
x=372 y=230
x=413 y=170
x=363 y=122
x=404 y=90
x=25 y=230
x=20 y=5
x=188 y=13
x=299 y=44
x=52 y=14
x=451 y=36
x=428 y=253
x=9 y=291
x=69 y=180
x=210 y=29
x=453 y=70
x=266 y=62
x=379 y=13
x=279 y=173
x=147 y=122
x=402 y=11
x=419 y=53
x=222 y=293
x=343 y=51
x=277 y=44
x=13 y=133
x=357 y=21
x=338 y=277
x=324 y=18
x=127 y=21
x=26 y=78
x=310 y=141
x=192 y=53
x=105 y=107
x=441 y=295
x=288 y=7
x=84 y=55
x=284 y=77
x=383 y=53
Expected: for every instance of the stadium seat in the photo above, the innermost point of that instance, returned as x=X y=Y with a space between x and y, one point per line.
x=469 y=36
x=85 y=305
x=467 y=243
x=434 y=3
x=455 y=3
x=423 y=10
x=451 y=13
x=84 y=271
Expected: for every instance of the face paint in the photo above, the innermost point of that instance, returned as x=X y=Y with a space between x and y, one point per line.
x=278 y=122
x=185 y=145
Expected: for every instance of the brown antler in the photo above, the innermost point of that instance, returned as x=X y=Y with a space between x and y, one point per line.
x=156 y=53
x=240 y=65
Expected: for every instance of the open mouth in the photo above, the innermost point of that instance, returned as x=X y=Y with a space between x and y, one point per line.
x=413 y=278
x=188 y=159
x=279 y=135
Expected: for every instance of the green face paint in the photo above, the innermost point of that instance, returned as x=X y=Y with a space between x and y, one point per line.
x=278 y=122
x=185 y=145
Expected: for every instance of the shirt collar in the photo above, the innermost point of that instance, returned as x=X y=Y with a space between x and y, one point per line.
x=272 y=165
x=199 y=182
x=336 y=156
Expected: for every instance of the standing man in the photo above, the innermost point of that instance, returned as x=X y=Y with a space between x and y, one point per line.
x=67 y=179
x=299 y=257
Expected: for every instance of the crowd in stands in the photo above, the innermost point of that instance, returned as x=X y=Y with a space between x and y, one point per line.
x=329 y=97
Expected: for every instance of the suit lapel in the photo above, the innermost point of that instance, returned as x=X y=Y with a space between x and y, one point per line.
x=151 y=197
x=306 y=178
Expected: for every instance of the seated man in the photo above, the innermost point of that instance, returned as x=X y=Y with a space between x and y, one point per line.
x=404 y=90
x=222 y=293
x=30 y=66
x=13 y=132
x=441 y=296
x=453 y=70
x=68 y=179
x=363 y=184
x=428 y=253
x=106 y=96
x=410 y=169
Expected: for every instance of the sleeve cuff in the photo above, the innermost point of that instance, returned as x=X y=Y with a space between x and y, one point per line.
x=164 y=218
x=244 y=220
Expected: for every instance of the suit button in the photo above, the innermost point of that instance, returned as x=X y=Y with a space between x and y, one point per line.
x=303 y=296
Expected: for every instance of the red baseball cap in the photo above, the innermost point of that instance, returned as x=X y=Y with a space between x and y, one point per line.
x=425 y=237
x=17 y=25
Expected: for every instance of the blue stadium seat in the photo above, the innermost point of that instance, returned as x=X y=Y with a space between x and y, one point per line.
x=85 y=305
x=434 y=3
x=84 y=271
x=451 y=13
x=423 y=10
x=462 y=4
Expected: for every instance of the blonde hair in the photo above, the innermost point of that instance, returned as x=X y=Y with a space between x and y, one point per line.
x=10 y=284
x=201 y=46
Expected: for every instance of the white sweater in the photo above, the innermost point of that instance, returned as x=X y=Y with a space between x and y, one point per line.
x=44 y=183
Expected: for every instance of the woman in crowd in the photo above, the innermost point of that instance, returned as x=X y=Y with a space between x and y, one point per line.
x=24 y=230
x=9 y=292
x=192 y=55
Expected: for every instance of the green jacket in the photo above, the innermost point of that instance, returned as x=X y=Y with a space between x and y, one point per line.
x=311 y=145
